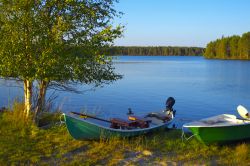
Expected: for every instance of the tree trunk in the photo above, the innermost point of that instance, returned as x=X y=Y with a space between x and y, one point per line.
x=27 y=96
x=41 y=97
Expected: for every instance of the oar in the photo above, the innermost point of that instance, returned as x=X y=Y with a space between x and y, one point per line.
x=89 y=116
x=243 y=112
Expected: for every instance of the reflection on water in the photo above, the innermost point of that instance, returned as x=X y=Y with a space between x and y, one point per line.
x=201 y=88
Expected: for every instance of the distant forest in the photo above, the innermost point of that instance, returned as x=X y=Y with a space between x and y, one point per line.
x=234 y=47
x=152 y=51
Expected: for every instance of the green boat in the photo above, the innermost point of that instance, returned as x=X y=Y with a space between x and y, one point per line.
x=82 y=126
x=220 y=129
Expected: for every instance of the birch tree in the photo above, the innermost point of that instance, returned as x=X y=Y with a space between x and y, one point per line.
x=56 y=43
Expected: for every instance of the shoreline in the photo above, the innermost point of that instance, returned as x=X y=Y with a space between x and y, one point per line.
x=24 y=143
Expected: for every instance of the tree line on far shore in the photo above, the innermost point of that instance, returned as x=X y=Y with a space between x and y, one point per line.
x=152 y=51
x=233 y=47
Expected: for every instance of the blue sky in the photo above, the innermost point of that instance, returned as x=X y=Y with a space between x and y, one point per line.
x=181 y=22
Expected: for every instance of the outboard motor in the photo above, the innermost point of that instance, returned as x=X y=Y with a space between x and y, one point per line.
x=169 y=105
x=167 y=114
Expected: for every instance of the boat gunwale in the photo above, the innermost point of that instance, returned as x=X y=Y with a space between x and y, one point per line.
x=118 y=130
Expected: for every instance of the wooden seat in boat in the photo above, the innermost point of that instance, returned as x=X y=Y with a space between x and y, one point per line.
x=118 y=123
x=141 y=122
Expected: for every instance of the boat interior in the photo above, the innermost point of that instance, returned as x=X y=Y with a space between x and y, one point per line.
x=220 y=120
x=129 y=122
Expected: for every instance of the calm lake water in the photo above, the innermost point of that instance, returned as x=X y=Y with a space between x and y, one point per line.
x=201 y=87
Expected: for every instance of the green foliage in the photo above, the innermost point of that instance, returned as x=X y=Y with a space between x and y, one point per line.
x=244 y=46
x=160 y=51
x=233 y=42
x=56 y=43
x=234 y=47
x=40 y=40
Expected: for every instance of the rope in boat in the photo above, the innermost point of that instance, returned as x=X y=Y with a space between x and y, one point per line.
x=183 y=136
x=62 y=121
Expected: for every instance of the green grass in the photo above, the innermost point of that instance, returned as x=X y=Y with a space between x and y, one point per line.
x=23 y=143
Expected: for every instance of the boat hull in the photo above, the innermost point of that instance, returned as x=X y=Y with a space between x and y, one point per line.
x=82 y=129
x=221 y=134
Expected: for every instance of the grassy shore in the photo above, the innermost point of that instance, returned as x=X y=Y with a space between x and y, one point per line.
x=23 y=143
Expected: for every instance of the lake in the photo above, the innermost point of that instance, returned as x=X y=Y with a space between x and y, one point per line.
x=201 y=88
